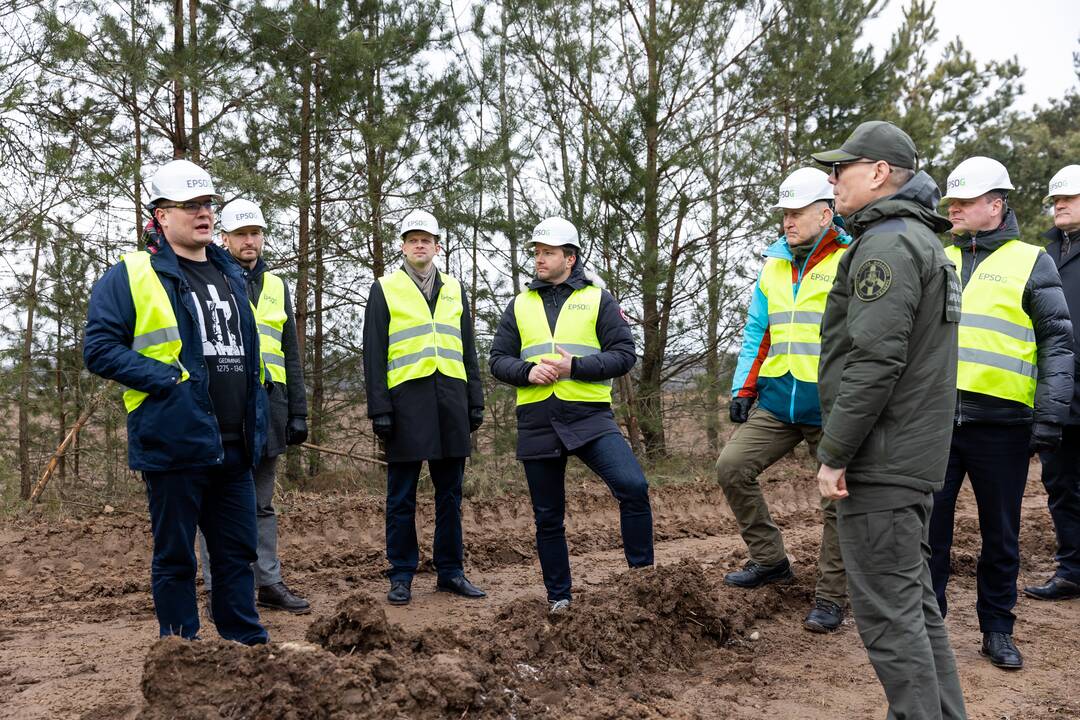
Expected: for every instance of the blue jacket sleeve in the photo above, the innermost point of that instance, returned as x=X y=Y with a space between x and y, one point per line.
x=110 y=328
x=616 y=355
x=505 y=361
x=755 y=334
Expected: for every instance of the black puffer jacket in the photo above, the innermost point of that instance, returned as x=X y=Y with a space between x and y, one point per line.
x=1069 y=269
x=1045 y=304
x=545 y=427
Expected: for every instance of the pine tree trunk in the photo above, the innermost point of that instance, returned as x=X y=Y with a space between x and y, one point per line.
x=712 y=351
x=318 y=347
x=508 y=165
x=26 y=369
x=179 y=133
x=193 y=39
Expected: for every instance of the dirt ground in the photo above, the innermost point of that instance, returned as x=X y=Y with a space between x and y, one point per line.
x=78 y=637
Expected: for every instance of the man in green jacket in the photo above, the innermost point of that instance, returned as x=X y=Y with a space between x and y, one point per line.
x=887 y=381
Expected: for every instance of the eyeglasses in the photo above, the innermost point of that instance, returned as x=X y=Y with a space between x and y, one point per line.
x=191 y=206
x=836 y=166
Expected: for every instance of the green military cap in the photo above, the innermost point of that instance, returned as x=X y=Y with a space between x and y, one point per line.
x=874 y=140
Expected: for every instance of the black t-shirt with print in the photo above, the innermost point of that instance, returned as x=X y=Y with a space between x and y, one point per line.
x=223 y=345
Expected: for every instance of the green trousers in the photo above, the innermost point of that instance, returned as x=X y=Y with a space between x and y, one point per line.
x=758 y=443
x=886 y=554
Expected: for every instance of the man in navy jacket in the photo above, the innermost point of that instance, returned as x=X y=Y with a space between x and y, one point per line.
x=173 y=324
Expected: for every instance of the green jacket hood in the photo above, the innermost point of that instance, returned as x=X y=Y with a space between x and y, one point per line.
x=917 y=199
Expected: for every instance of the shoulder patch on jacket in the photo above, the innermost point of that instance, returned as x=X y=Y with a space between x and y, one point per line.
x=872 y=279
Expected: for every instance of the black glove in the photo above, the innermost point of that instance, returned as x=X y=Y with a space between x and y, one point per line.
x=1045 y=437
x=740 y=409
x=476 y=419
x=296 y=430
x=383 y=425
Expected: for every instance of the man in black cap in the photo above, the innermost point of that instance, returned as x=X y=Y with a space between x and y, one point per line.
x=887 y=381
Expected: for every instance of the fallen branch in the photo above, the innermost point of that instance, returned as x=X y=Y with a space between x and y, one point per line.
x=352 y=456
x=68 y=439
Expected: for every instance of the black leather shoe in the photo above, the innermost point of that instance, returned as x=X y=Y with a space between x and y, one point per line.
x=460 y=586
x=280 y=597
x=400 y=592
x=824 y=617
x=1001 y=650
x=1056 y=588
x=755 y=574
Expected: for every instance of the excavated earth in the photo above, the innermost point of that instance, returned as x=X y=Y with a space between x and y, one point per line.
x=78 y=637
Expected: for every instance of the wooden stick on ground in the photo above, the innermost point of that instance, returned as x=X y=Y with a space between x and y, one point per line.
x=361 y=458
x=68 y=439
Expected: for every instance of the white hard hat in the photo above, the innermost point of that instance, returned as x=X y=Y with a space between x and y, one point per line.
x=556 y=232
x=976 y=176
x=419 y=220
x=241 y=213
x=1066 y=182
x=803 y=187
x=181 y=180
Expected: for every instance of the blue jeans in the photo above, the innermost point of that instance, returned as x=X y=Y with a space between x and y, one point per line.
x=1061 y=476
x=220 y=501
x=610 y=457
x=995 y=459
x=401 y=547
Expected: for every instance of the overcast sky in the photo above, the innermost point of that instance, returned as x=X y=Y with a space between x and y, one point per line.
x=1042 y=34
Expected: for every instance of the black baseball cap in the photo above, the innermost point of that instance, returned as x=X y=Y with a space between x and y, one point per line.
x=874 y=140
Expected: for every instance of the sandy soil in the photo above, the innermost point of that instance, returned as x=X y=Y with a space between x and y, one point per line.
x=78 y=636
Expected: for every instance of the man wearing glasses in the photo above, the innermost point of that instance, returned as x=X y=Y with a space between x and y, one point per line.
x=887 y=381
x=424 y=399
x=174 y=326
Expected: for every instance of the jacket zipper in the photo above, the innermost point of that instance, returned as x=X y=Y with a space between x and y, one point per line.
x=794 y=299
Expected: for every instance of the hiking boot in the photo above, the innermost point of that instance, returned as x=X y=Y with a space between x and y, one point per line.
x=459 y=586
x=400 y=592
x=755 y=574
x=279 y=597
x=1001 y=650
x=1056 y=588
x=824 y=617
x=559 y=607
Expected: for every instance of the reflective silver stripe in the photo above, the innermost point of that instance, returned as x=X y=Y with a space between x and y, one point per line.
x=448 y=330
x=533 y=350
x=999 y=361
x=808 y=317
x=987 y=322
x=271 y=331
x=795 y=348
x=451 y=354
x=155 y=337
x=549 y=348
x=410 y=359
x=409 y=333
x=271 y=359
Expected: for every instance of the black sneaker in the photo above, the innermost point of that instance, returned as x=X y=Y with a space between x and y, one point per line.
x=279 y=597
x=824 y=617
x=1001 y=650
x=755 y=574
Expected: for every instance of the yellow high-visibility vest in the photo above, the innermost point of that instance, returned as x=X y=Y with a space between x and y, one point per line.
x=795 y=319
x=157 y=335
x=997 y=349
x=420 y=343
x=575 y=332
x=270 y=318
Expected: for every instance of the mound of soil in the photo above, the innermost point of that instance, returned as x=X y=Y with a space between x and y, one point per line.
x=527 y=663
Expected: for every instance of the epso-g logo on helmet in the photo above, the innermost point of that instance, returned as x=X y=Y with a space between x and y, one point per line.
x=198 y=182
x=1057 y=185
x=245 y=216
x=958 y=182
x=541 y=231
x=785 y=194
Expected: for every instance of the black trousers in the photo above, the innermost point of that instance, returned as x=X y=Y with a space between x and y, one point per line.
x=995 y=458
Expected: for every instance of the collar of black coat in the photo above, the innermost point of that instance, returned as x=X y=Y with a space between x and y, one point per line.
x=164 y=260
x=577 y=279
x=991 y=240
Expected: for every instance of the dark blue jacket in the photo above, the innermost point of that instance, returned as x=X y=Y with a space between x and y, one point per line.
x=545 y=428
x=175 y=427
x=1069 y=270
